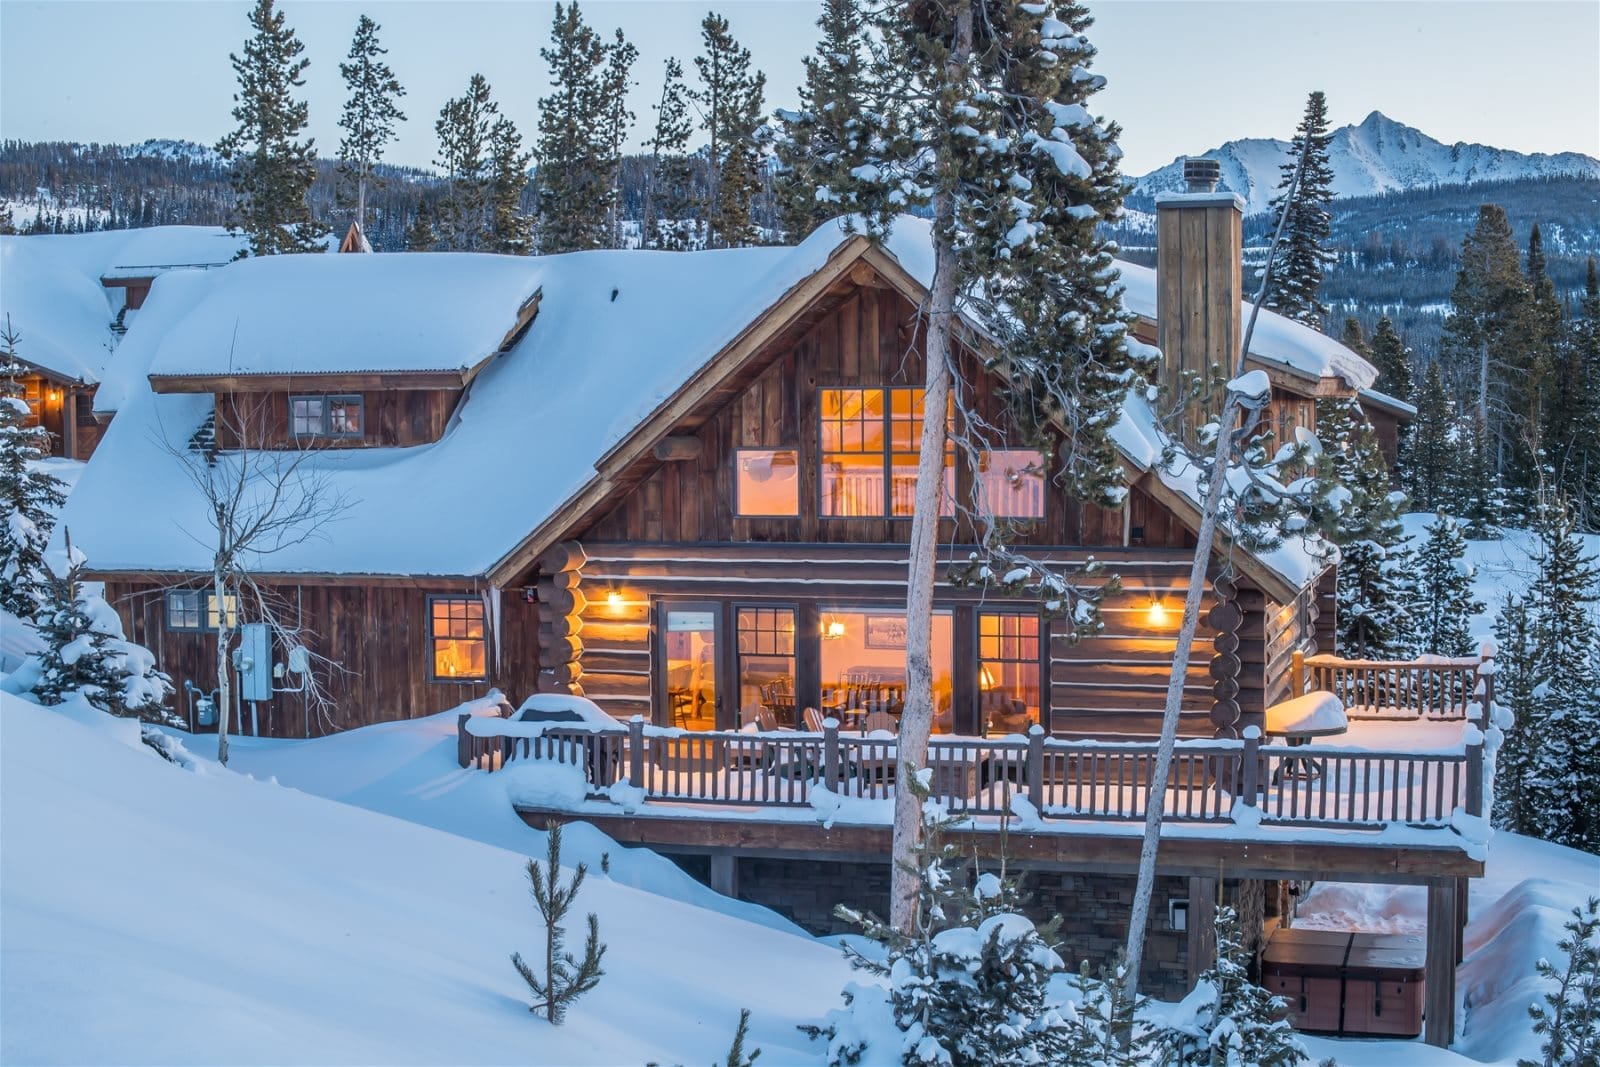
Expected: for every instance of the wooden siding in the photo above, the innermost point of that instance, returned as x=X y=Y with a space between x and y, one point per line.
x=392 y=419
x=378 y=635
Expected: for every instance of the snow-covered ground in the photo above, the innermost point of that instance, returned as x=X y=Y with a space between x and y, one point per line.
x=157 y=915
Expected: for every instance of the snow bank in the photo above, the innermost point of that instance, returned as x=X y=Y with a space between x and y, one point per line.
x=152 y=915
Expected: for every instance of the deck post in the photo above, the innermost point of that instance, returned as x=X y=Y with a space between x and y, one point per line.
x=1297 y=674
x=636 y=751
x=1463 y=885
x=1474 y=798
x=1201 y=928
x=830 y=752
x=1036 y=767
x=725 y=873
x=1250 y=771
x=463 y=739
x=1439 y=1013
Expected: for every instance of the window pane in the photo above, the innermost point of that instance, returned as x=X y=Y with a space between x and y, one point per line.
x=1009 y=673
x=344 y=416
x=766 y=667
x=1011 y=483
x=852 y=485
x=864 y=665
x=767 y=482
x=183 y=610
x=214 y=617
x=305 y=415
x=690 y=646
x=457 y=635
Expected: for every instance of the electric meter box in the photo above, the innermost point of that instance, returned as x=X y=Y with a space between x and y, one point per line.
x=253 y=660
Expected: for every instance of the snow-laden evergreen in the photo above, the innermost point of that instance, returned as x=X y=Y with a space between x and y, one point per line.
x=1297 y=274
x=1444 y=604
x=1569 y=1018
x=29 y=497
x=1387 y=352
x=370 y=112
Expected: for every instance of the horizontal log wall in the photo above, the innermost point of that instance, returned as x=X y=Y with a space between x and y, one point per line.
x=378 y=634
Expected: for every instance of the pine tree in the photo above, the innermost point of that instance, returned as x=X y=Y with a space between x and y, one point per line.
x=564 y=978
x=29 y=498
x=464 y=127
x=1569 y=1018
x=823 y=146
x=1353 y=338
x=1540 y=334
x=420 y=236
x=1389 y=354
x=1373 y=568
x=1564 y=783
x=1297 y=275
x=1572 y=412
x=1515 y=684
x=1227 y=1019
x=369 y=114
x=580 y=135
x=1482 y=348
x=85 y=651
x=510 y=230
x=1104 y=1021
x=1430 y=456
x=272 y=169
x=669 y=196
x=737 y=1056
x=1444 y=604
x=730 y=99
x=616 y=120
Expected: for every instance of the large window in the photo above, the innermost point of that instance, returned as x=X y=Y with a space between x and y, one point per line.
x=864 y=665
x=767 y=482
x=1011 y=483
x=870 y=439
x=326 y=416
x=1008 y=671
x=456 y=638
x=196 y=610
x=766 y=663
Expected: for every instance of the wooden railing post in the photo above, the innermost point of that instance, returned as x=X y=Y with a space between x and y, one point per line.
x=1250 y=771
x=1297 y=674
x=830 y=753
x=636 y=751
x=463 y=739
x=1036 y=767
x=1474 y=771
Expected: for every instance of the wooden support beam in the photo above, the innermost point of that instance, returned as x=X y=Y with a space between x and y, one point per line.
x=725 y=874
x=678 y=449
x=1439 y=1010
x=1202 y=929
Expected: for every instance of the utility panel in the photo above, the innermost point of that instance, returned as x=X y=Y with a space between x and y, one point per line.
x=253 y=660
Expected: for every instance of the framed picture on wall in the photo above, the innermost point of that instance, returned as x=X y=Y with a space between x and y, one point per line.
x=886 y=631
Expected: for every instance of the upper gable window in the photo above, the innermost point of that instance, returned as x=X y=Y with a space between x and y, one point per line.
x=1011 y=483
x=870 y=439
x=326 y=416
x=767 y=482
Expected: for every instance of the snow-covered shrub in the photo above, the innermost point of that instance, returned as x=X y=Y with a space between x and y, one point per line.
x=28 y=497
x=1227 y=1020
x=1569 y=1018
x=1444 y=603
x=86 y=652
x=1104 y=1029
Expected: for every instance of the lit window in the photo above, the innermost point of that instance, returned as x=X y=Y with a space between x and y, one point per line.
x=1011 y=483
x=184 y=609
x=1008 y=671
x=870 y=440
x=214 y=617
x=457 y=637
x=767 y=482
x=766 y=662
x=326 y=416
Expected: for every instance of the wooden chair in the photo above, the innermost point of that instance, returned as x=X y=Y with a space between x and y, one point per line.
x=812 y=718
x=777 y=696
x=879 y=720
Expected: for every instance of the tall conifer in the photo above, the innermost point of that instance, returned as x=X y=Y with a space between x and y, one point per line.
x=29 y=498
x=1572 y=414
x=1297 y=275
x=1430 y=455
x=370 y=113
x=669 y=194
x=272 y=168
x=1444 y=605
x=480 y=153
x=730 y=99
x=1389 y=354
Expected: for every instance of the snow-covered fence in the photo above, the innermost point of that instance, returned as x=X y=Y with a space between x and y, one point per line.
x=1430 y=687
x=1212 y=781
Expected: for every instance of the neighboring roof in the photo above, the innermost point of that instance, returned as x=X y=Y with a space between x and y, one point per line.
x=355 y=240
x=1276 y=341
x=322 y=314
x=1385 y=402
x=50 y=285
x=618 y=335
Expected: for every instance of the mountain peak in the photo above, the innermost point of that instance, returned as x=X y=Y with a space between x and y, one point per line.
x=1379 y=155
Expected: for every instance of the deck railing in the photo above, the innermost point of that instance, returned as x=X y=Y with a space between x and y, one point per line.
x=1306 y=785
x=1435 y=688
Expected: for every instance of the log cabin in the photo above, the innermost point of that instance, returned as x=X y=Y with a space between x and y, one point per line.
x=677 y=484
x=70 y=297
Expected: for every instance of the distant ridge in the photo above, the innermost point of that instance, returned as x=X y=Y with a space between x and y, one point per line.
x=1378 y=156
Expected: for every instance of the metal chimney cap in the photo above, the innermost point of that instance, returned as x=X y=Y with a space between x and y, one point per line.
x=1201 y=175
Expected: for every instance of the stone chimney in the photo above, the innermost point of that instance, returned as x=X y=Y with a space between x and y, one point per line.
x=1199 y=241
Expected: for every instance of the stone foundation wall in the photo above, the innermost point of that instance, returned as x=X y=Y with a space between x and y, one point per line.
x=1094 y=908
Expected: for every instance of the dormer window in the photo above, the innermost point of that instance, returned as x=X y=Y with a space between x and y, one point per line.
x=326 y=416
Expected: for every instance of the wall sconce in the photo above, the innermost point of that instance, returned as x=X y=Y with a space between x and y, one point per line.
x=614 y=601
x=1158 y=612
x=832 y=630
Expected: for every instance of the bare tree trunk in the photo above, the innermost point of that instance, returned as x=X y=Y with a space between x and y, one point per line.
x=916 y=722
x=224 y=676
x=361 y=200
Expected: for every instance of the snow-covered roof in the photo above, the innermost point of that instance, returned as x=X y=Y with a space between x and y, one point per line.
x=1277 y=341
x=323 y=314
x=1388 y=403
x=618 y=333
x=50 y=285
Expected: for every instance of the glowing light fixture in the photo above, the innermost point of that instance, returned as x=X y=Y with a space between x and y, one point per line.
x=832 y=629
x=614 y=600
x=1158 y=612
x=985 y=679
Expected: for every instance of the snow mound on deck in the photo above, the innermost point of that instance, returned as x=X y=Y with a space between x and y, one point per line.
x=155 y=915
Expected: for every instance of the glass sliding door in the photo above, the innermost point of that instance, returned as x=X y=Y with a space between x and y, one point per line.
x=690 y=637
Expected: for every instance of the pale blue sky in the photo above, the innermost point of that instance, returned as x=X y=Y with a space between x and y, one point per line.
x=1184 y=76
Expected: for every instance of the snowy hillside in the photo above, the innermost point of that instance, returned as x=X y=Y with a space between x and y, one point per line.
x=1378 y=156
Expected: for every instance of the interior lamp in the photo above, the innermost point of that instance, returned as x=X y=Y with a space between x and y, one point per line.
x=1158 y=612
x=985 y=679
x=833 y=630
x=614 y=600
